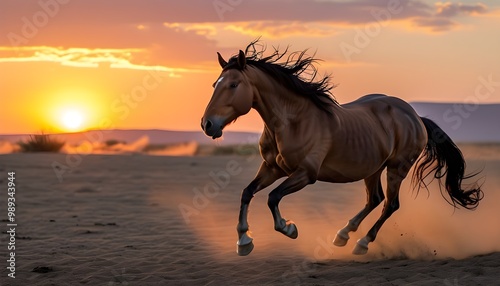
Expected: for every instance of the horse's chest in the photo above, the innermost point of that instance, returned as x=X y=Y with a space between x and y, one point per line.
x=280 y=160
x=287 y=158
x=289 y=162
x=285 y=164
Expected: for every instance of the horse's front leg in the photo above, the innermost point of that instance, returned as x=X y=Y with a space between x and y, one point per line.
x=293 y=183
x=265 y=177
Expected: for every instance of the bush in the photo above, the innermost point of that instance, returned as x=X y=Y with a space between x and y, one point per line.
x=241 y=150
x=41 y=143
x=112 y=142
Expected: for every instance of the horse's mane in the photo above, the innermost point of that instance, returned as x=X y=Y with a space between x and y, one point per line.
x=297 y=73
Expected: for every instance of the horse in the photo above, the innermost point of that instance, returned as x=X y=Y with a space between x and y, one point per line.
x=308 y=136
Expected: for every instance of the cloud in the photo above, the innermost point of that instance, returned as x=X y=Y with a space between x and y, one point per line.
x=278 y=29
x=347 y=12
x=114 y=17
x=435 y=24
x=203 y=29
x=184 y=33
x=83 y=57
x=265 y=29
x=449 y=9
x=111 y=24
x=441 y=19
x=160 y=45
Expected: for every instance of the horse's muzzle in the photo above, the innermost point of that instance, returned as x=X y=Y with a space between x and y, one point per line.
x=212 y=126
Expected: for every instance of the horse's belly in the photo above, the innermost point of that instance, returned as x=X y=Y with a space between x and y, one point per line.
x=335 y=177
x=338 y=171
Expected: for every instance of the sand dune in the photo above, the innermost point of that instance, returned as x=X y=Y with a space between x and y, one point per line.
x=154 y=220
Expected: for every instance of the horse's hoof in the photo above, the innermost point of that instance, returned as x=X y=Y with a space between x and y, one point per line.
x=288 y=228
x=245 y=244
x=341 y=239
x=361 y=247
x=244 y=250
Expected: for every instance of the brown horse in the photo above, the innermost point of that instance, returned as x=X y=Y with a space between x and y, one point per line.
x=308 y=136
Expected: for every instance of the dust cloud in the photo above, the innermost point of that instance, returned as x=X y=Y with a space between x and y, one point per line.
x=425 y=227
x=141 y=145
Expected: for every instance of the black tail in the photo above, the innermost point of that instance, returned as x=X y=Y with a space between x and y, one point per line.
x=450 y=162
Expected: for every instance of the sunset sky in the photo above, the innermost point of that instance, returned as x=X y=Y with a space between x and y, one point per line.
x=68 y=65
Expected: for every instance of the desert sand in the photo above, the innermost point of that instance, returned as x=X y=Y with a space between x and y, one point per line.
x=156 y=220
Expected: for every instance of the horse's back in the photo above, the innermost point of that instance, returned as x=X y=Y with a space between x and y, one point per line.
x=398 y=119
x=379 y=100
x=365 y=99
x=383 y=105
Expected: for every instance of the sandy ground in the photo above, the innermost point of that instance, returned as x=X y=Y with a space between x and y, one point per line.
x=154 y=220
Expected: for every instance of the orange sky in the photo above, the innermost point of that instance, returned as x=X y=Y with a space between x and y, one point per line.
x=150 y=64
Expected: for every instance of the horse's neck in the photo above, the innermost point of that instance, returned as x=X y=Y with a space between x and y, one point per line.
x=277 y=105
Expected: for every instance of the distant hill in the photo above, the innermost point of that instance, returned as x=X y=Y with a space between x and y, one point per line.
x=464 y=122
x=155 y=136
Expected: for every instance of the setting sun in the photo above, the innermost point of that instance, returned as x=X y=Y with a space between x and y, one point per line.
x=72 y=120
x=71 y=110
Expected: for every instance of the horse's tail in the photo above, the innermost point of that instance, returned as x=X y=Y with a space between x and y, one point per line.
x=450 y=163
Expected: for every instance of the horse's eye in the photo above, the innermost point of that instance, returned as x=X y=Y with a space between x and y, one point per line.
x=233 y=85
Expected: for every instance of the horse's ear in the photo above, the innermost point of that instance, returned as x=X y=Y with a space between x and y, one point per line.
x=242 y=60
x=222 y=61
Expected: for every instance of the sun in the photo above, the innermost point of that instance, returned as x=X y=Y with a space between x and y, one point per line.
x=72 y=119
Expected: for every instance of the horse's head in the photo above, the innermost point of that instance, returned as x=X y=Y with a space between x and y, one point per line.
x=232 y=97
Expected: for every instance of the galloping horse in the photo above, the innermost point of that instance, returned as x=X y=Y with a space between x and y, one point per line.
x=308 y=136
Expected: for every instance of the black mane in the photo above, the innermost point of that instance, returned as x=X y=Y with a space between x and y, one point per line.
x=290 y=73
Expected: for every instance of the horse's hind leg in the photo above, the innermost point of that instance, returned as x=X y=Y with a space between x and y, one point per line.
x=375 y=195
x=265 y=177
x=394 y=179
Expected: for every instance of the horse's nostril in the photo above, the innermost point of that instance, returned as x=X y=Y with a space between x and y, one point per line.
x=202 y=126
x=208 y=124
